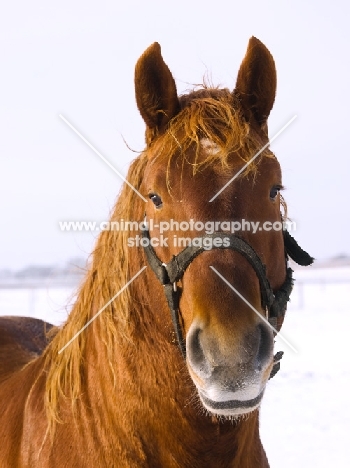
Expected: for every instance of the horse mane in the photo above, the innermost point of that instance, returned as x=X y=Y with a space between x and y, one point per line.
x=108 y=273
x=206 y=113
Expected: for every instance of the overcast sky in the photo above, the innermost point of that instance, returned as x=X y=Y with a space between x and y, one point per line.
x=77 y=58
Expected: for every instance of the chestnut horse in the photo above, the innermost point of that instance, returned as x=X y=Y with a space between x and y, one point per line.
x=112 y=388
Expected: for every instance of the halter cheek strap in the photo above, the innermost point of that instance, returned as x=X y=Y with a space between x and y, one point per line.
x=169 y=273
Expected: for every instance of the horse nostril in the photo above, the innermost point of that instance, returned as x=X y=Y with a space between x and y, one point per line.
x=265 y=344
x=194 y=347
x=195 y=353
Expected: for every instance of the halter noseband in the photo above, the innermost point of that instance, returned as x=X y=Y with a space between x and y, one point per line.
x=275 y=303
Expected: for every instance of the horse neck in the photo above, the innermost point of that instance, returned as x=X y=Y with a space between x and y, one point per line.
x=146 y=393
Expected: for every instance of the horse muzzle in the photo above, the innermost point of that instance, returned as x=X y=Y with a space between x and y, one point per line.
x=230 y=382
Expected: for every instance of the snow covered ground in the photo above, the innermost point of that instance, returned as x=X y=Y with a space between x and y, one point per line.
x=305 y=417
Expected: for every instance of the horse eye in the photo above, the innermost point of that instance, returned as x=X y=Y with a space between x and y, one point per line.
x=156 y=200
x=274 y=192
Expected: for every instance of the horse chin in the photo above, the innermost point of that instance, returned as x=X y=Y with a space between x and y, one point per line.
x=229 y=406
x=226 y=396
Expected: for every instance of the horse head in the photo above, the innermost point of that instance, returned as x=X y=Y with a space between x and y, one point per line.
x=198 y=144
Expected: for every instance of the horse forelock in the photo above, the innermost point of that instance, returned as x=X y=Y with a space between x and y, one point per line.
x=210 y=118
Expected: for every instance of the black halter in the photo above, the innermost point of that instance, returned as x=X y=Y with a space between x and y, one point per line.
x=275 y=303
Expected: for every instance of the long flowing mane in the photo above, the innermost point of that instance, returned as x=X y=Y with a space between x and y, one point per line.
x=108 y=273
x=211 y=114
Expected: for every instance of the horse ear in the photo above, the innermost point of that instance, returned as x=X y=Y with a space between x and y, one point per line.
x=256 y=82
x=155 y=89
